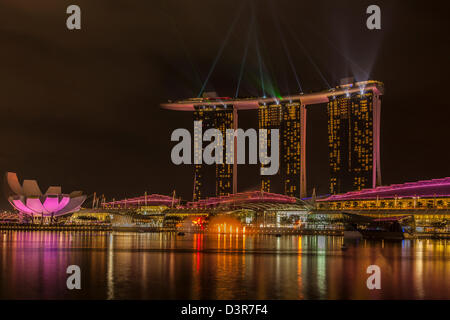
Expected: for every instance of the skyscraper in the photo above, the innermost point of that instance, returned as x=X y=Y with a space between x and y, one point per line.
x=290 y=119
x=218 y=117
x=293 y=138
x=269 y=117
x=353 y=140
x=224 y=172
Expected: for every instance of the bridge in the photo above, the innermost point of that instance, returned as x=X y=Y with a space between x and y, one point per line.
x=421 y=195
x=142 y=201
x=428 y=201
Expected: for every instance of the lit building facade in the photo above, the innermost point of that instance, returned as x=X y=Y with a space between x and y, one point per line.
x=290 y=120
x=213 y=117
x=293 y=138
x=269 y=117
x=353 y=141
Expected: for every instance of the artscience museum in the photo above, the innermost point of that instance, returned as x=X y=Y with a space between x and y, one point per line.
x=28 y=199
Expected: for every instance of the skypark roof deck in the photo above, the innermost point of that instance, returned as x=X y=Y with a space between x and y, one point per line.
x=254 y=103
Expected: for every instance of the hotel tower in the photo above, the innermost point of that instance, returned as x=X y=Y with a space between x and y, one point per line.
x=353 y=141
x=353 y=110
x=290 y=119
x=217 y=117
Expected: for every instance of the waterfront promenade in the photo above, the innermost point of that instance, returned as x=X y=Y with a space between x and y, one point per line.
x=248 y=231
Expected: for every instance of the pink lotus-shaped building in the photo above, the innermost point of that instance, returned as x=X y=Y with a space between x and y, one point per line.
x=29 y=200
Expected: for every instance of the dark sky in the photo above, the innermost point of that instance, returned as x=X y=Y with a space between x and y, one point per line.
x=81 y=108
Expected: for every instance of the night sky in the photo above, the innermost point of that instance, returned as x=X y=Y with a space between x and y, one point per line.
x=81 y=108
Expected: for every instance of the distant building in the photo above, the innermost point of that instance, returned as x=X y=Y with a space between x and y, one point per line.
x=353 y=140
x=290 y=118
x=219 y=117
x=269 y=117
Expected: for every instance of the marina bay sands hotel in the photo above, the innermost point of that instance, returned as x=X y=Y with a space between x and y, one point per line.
x=353 y=110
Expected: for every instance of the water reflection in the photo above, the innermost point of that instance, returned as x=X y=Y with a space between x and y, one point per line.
x=110 y=273
x=220 y=266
